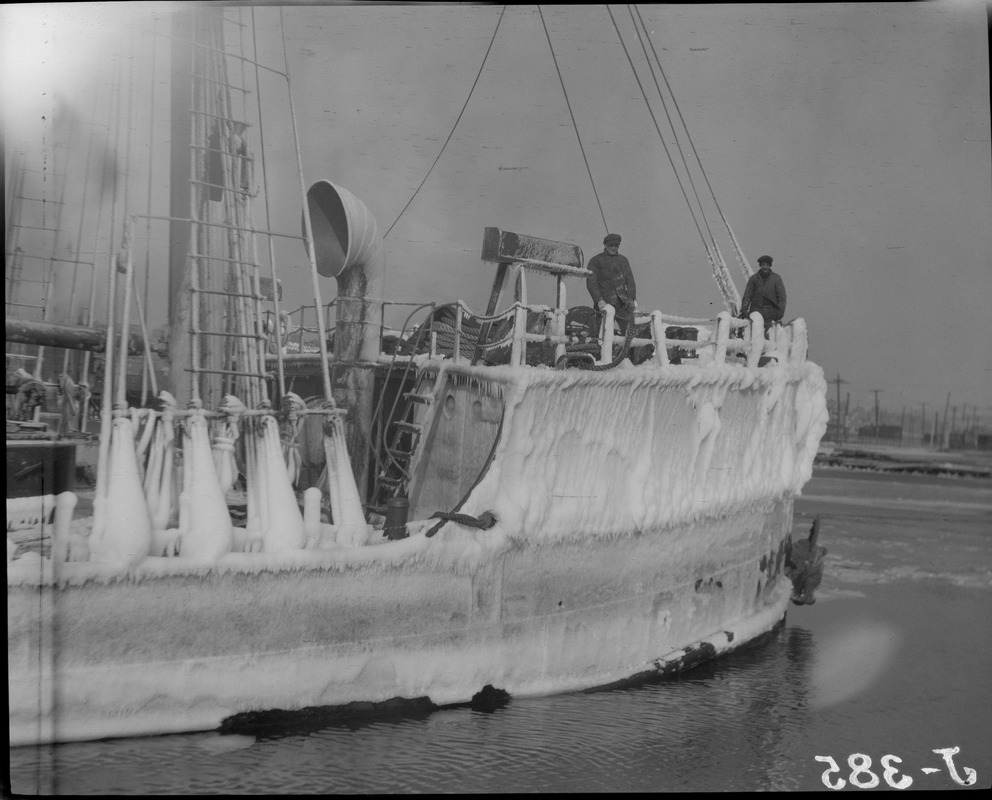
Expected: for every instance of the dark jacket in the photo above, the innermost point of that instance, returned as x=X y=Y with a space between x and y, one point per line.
x=764 y=295
x=612 y=281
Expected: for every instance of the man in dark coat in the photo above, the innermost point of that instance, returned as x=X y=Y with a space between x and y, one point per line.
x=765 y=293
x=612 y=282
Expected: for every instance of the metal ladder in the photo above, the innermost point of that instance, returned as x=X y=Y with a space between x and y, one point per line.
x=392 y=474
x=227 y=343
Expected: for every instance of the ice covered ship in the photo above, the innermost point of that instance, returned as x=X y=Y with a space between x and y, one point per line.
x=518 y=499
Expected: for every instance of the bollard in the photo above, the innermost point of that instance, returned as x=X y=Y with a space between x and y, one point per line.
x=397 y=509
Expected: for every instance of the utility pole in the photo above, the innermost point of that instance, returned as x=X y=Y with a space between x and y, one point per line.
x=839 y=436
x=876 y=391
x=944 y=433
x=847 y=411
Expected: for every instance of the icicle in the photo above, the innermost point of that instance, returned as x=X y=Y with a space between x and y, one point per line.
x=729 y=281
x=127 y=532
x=158 y=483
x=311 y=517
x=741 y=258
x=285 y=524
x=207 y=533
x=224 y=442
x=255 y=490
x=149 y=417
x=293 y=405
x=65 y=503
x=346 y=506
x=722 y=276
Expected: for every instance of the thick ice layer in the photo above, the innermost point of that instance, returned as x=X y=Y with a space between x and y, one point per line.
x=580 y=454
x=606 y=453
x=416 y=552
x=640 y=510
x=181 y=651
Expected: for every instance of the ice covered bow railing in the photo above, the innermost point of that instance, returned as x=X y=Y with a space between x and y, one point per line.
x=723 y=340
x=167 y=491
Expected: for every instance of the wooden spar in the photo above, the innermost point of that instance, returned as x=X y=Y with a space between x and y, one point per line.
x=71 y=337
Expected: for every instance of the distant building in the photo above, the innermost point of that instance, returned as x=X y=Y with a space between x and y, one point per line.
x=886 y=432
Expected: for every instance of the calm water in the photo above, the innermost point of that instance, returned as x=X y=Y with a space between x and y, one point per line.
x=895 y=658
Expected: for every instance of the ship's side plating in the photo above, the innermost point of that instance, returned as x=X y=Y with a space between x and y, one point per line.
x=638 y=512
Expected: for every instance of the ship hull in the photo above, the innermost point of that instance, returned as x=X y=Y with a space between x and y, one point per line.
x=170 y=649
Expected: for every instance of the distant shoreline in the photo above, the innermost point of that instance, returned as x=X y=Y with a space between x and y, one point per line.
x=895 y=459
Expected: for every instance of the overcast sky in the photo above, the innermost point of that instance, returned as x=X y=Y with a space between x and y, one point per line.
x=848 y=141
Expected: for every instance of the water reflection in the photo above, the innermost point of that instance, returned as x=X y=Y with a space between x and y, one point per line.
x=705 y=729
x=850 y=662
x=893 y=658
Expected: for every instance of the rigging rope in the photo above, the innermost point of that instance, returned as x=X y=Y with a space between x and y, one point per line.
x=740 y=254
x=654 y=119
x=308 y=226
x=720 y=272
x=148 y=371
x=277 y=332
x=668 y=116
x=574 y=124
x=452 y=133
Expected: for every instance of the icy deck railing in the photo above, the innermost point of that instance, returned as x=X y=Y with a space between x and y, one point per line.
x=785 y=344
x=297 y=335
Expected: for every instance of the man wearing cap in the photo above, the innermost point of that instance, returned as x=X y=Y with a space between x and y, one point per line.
x=765 y=293
x=612 y=282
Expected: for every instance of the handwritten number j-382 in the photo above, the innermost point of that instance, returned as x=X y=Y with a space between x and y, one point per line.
x=862 y=777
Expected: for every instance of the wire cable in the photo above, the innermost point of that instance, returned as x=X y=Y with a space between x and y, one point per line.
x=574 y=124
x=452 y=133
x=654 y=119
x=747 y=267
x=671 y=124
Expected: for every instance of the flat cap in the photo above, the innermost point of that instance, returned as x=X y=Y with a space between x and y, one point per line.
x=764 y=259
x=612 y=238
